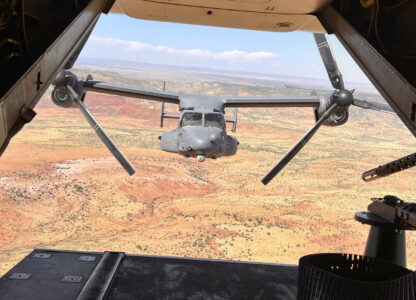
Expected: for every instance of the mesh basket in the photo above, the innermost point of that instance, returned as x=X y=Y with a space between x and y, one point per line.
x=347 y=276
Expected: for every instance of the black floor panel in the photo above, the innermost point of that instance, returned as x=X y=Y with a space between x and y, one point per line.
x=68 y=275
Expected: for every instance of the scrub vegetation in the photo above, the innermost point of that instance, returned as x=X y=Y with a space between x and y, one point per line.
x=61 y=189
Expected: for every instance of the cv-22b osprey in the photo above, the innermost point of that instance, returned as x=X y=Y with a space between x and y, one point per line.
x=201 y=129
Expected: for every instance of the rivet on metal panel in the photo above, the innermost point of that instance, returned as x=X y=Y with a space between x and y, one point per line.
x=86 y=258
x=42 y=255
x=20 y=276
x=73 y=279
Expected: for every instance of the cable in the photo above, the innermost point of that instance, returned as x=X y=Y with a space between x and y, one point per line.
x=24 y=30
x=377 y=34
x=8 y=9
x=371 y=22
x=377 y=4
x=398 y=4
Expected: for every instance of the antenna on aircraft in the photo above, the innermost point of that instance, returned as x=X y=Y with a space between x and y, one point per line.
x=162 y=107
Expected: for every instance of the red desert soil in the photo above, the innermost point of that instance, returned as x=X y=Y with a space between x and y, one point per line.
x=61 y=189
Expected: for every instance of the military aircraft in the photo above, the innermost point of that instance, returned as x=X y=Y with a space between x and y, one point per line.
x=201 y=131
x=41 y=38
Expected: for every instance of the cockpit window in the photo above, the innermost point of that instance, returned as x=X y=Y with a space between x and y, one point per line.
x=214 y=120
x=191 y=119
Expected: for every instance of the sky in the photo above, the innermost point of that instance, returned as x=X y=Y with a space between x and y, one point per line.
x=292 y=54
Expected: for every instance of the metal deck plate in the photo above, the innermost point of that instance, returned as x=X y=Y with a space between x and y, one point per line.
x=46 y=280
x=117 y=276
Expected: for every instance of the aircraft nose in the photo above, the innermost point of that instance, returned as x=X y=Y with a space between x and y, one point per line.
x=201 y=140
x=215 y=138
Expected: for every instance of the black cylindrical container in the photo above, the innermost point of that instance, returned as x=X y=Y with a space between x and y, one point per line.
x=346 y=276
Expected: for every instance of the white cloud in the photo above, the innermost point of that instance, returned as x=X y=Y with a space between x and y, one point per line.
x=230 y=56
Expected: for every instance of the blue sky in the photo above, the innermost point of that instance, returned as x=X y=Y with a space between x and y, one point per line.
x=294 y=54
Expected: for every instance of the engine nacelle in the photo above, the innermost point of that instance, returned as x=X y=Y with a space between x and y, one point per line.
x=339 y=117
x=231 y=145
x=60 y=95
x=169 y=141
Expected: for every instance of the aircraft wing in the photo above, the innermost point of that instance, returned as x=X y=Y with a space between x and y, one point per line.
x=128 y=91
x=291 y=101
x=269 y=15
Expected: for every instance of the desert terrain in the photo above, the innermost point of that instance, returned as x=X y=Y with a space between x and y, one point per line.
x=62 y=189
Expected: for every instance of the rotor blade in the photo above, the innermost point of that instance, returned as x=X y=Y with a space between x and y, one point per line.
x=128 y=91
x=291 y=154
x=101 y=133
x=329 y=60
x=373 y=105
x=286 y=101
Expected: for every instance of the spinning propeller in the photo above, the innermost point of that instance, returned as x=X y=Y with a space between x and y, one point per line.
x=68 y=92
x=338 y=104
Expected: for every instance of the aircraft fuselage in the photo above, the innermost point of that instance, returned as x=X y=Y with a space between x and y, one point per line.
x=200 y=134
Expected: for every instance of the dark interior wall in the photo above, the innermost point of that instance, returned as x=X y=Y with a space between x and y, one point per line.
x=27 y=29
x=389 y=26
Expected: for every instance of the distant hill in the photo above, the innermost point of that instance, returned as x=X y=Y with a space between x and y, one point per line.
x=207 y=81
x=141 y=70
x=60 y=188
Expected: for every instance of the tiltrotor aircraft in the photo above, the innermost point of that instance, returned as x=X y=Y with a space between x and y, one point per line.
x=201 y=131
x=41 y=38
